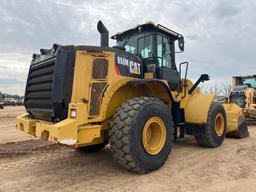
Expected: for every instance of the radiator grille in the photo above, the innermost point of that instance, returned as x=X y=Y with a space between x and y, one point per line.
x=49 y=83
x=39 y=85
x=100 y=68
x=96 y=91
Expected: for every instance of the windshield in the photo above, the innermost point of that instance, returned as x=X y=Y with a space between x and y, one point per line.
x=251 y=82
x=130 y=43
x=148 y=45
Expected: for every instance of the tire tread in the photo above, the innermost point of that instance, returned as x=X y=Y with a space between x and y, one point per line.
x=207 y=139
x=119 y=132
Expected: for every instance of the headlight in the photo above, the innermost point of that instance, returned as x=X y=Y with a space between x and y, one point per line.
x=73 y=113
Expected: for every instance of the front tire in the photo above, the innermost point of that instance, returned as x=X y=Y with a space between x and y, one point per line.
x=214 y=131
x=141 y=134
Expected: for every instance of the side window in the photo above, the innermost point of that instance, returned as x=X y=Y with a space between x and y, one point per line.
x=164 y=53
x=160 y=50
x=130 y=48
x=131 y=45
x=145 y=46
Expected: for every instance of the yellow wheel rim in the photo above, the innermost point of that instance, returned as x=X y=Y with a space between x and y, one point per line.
x=219 y=124
x=154 y=135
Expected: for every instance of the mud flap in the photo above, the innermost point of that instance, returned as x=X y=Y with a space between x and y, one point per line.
x=242 y=131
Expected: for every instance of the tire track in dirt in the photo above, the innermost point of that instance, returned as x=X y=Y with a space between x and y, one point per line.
x=85 y=169
x=7 y=125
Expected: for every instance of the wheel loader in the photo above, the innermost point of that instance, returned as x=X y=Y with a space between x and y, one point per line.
x=244 y=94
x=131 y=96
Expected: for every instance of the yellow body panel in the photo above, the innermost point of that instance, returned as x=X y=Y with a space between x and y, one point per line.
x=233 y=114
x=250 y=106
x=249 y=93
x=148 y=75
x=196 y=110
x=72 y=132
x=119 y=91
x=25 y=124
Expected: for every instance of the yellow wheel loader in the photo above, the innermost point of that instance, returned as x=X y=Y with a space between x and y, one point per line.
x=130 y=96
x=244 y=94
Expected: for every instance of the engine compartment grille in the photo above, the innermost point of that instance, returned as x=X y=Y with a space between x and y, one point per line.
x=96 y=92
x=39 y=84
x=49 y=83
x=100 y=68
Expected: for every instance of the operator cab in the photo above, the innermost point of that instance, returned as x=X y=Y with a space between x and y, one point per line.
x=250 y=81
x=155 y=45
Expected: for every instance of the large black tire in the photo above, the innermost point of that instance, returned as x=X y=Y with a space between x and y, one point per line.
x=126 y=134
x=208 y=137
x=91 y=148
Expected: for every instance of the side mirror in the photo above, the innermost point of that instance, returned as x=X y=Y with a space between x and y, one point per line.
x=181 y=43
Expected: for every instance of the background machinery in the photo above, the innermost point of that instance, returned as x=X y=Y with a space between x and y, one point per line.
x=244 y=94
x=131 y=96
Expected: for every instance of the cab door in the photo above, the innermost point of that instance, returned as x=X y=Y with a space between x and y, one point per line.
x=166 y=62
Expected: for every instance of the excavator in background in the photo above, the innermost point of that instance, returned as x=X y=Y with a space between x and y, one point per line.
x=243 y=94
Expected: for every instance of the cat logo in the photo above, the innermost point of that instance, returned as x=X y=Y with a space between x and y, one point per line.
x=134 y=67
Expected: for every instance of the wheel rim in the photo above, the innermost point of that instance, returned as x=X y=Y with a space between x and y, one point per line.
x=219 y=124
x=154 y=135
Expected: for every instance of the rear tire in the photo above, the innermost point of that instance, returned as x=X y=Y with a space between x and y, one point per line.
x=214 y=131
x=127 y=140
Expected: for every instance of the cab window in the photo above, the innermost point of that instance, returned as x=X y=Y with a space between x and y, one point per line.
x=131 y=44
x=145 y=46
x=164 y=53
x=140 y=44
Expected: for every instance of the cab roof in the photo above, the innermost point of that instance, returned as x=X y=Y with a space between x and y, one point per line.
x=245 y=76
x=148 y=26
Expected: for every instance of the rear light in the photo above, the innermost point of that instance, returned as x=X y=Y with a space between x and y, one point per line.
x=73 y=113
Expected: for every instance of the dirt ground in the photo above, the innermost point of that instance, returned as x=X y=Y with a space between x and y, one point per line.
x=28 y=164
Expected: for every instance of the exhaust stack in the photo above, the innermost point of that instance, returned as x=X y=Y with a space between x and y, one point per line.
x=103 y=34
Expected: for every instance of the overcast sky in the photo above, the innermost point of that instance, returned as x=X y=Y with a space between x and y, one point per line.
x=219 y=35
